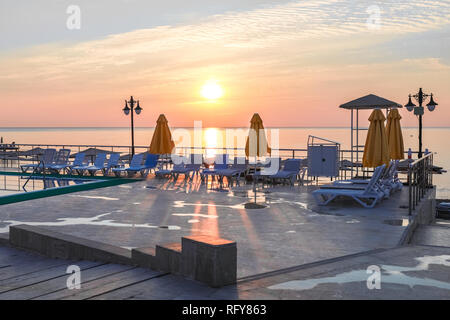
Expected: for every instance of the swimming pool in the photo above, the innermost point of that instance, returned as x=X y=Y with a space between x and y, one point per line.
x=13 y=184
x=17 y=187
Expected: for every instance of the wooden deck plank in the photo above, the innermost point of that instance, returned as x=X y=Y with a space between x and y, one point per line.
x=103 y=285
x=42 y=275
x=161 y=288
x=27 y=267
x=60 y=283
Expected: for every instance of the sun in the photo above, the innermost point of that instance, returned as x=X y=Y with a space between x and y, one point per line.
x=211 y=90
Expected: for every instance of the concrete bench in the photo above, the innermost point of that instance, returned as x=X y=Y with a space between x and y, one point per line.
x=63 y=246
x=203 y=258
x=209 y=259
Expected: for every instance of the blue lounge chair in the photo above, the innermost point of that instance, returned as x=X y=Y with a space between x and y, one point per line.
x=238 y=168
x=368 y=197
x=289 y=172
x=46 y=159
x=220 y=163
x=99 y=164
x=78 y=161
x=151 y=161
x=189 y=167
x=60 y=162
x=113 y=162
x=134 y=166
x=265 y=172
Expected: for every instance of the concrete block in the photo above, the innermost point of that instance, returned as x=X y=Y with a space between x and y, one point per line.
x=168 y=257
x=144 y=257
x=58 y=245
x=4 y=239
x=210 y=260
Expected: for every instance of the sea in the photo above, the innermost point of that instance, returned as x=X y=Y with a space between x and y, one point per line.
x=436 y=140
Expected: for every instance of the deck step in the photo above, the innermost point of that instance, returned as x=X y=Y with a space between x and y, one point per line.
x=168 y=257
x=144 y=257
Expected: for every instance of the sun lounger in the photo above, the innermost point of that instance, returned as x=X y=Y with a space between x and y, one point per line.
x=134 y=166
x=387 y=183
x=289 y=172
x=113 y=162
x=44 y=160
x=151 y=161
x=78 y=161
x=60 y=162
x=99 y=164
x=368 y=197
x=238 y=168
x=189 y=167
x=220 y=163
x=267 y=169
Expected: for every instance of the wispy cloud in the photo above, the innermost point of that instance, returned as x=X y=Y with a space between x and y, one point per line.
x=275 y=43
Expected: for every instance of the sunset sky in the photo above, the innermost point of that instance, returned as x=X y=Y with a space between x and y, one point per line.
x=293 y=62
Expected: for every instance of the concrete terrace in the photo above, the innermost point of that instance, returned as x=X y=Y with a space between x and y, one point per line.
x=291 y=231
x=409 y=272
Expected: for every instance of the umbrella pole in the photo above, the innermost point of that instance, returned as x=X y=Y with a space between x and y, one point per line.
x=254 y=205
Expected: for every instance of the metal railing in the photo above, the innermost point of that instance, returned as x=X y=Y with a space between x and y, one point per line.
x=420 y=180
x=23 y=155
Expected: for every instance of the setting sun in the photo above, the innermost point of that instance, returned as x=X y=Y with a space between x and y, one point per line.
x=211 y=90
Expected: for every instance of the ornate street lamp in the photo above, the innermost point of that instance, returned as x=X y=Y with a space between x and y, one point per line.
x=129 y=107
x=419 y=111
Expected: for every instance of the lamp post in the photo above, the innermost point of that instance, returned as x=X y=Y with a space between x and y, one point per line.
x=129 y=107
x=420 y=97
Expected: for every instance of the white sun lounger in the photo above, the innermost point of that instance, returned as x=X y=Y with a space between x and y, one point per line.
x=61 y=161
x=47 y=158
x=368 y=197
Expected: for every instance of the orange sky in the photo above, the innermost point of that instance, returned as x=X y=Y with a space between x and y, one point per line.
x=291 y=71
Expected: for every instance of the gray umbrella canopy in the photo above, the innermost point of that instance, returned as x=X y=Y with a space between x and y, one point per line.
x=32 y=152
x=92 y=152
x=370 y=101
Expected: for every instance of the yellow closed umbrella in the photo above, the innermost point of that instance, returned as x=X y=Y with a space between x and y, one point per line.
x=394 y=135
x=162 y=142
x=258 y=136
x=376 y=149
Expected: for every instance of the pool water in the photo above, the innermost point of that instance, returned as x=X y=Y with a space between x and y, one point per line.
x=14 y=184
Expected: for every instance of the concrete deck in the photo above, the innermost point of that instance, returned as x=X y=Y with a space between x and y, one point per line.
x=410 y=272
x=291 y=231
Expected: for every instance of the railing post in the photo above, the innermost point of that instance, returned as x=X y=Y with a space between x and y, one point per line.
x=410 y=191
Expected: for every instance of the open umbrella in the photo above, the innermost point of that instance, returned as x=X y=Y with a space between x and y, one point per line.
x=256 y=136
x=376 y=149
x=394 y=135
x=162 y=142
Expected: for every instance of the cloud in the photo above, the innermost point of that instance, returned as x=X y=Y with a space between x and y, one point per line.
x=286 y=43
